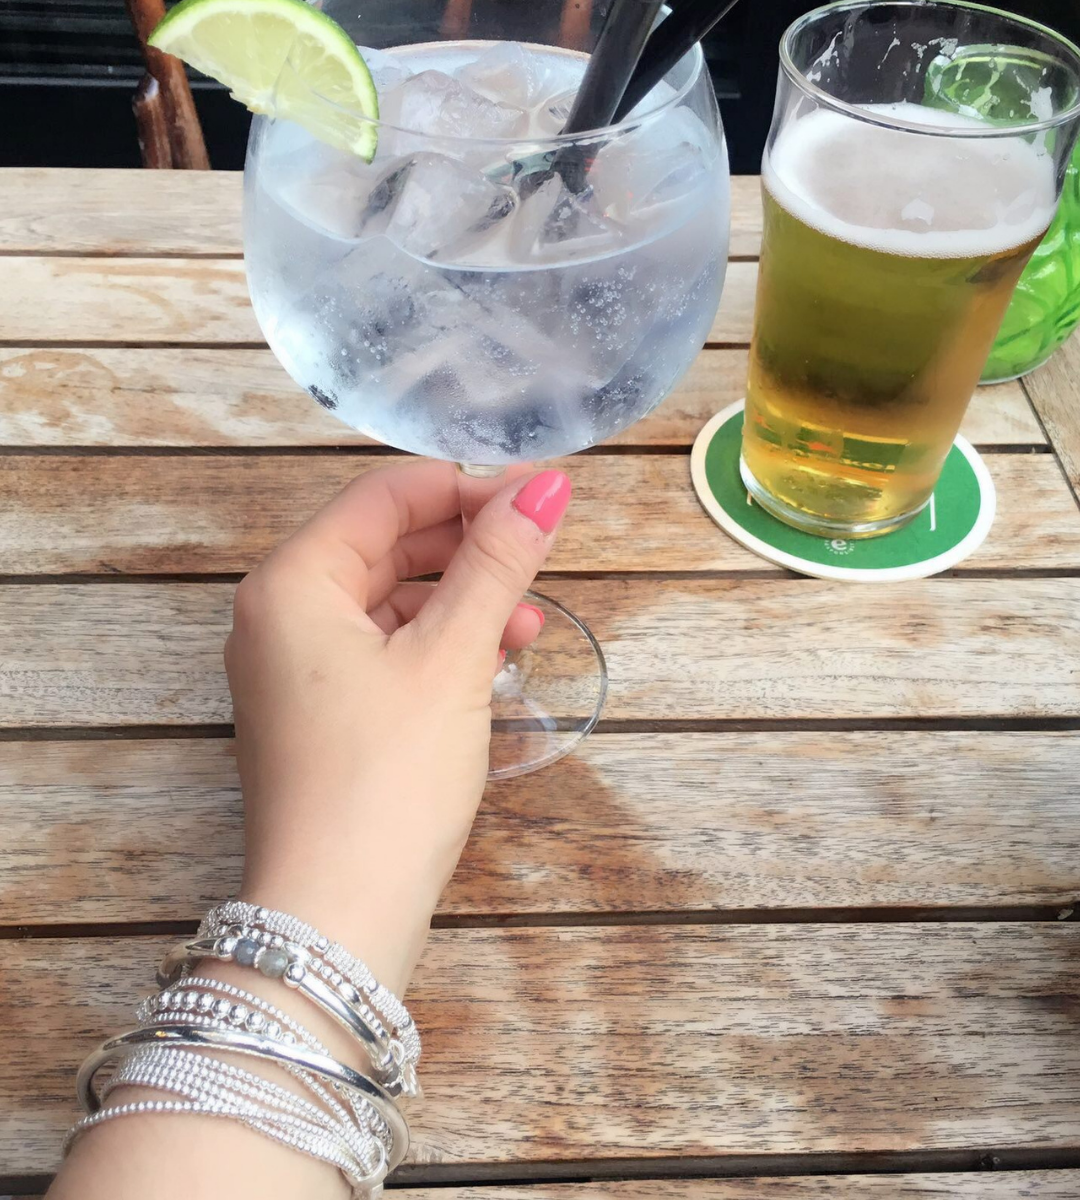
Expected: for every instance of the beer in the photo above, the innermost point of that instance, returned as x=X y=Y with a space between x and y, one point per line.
x=889 y=258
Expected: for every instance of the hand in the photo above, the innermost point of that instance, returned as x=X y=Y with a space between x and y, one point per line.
x=362 y=703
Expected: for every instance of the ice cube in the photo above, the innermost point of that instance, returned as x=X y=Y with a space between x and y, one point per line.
x=660 y=160
x=436 y=104
x=443 y=204
x=331 y=193
x=554 y=225
x=551 y=117
x=507 y=73
x=387 y=70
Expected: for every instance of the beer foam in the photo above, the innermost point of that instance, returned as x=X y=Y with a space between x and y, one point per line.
x=914 y=194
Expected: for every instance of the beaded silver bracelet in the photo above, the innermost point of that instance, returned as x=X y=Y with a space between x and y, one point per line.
x=293 y=965
x=210 y=1003
x=210 y=1088
x=335 y=1073
x=241 y=914
x=252 y=1095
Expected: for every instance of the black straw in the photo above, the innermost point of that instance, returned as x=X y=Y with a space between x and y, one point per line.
x=611 y=64
x=673 y=38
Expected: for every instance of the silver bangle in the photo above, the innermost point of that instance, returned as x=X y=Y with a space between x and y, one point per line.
x=335 y=1073
x=241 y=913
x=291 y=963
x=262 y=1105
x=199 y=1003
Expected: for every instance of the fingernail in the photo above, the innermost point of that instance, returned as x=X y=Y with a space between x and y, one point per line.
x=502 y=657
x=538 y=612
x=544 y=499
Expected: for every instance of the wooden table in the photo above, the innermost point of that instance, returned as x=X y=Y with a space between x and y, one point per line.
x=800 y=909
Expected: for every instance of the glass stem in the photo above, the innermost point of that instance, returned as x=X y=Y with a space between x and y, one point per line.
x=476 y=485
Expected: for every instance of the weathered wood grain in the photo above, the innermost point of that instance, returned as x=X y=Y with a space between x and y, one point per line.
x=196 y=397
x=647 y=1041
x=178 y=301
x=1006 y=1185
x=123 y=654
x=1055 y=392
x=56 y=211
x=192 y=515
x=192 y=301
x=51 y=211
x=979 y=1185
x=151 y=830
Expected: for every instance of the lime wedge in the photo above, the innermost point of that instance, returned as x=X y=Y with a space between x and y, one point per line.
x=282 y=58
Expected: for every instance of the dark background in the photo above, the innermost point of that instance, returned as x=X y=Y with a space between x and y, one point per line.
x=68 y=69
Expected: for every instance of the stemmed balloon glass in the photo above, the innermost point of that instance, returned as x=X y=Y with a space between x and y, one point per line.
x=501 y=297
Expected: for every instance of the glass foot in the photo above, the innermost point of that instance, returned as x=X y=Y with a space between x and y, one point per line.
x=548 y=696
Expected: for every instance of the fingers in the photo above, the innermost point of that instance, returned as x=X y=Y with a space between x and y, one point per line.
x=504 y=548
x=404 y=602
x=422 y=552
x=358 y=528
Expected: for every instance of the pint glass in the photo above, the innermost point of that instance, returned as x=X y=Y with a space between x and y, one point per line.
x=894 y=235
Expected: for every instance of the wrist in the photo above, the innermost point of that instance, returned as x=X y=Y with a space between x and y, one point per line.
x=384 y=928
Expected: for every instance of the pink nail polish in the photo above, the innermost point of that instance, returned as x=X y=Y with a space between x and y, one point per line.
x=544 y=499
x=502 y=657
x=539 y=612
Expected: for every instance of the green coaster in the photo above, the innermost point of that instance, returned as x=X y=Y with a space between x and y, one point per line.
x=948 y=529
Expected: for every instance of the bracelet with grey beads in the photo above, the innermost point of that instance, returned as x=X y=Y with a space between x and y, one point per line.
x=293 y=965
x=241 y=913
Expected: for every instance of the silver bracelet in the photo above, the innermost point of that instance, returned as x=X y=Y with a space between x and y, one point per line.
x=198 y=1004
x=259 y=1103
x=363 y=1188
x=240 y=913
x=292 y=964
x=262 y=1096
x=335 y=1073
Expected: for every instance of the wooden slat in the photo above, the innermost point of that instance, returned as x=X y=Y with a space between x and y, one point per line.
x=123 y=654
x=195 y=397
x=975 y=1185
x=192 y=515
x=1007 y=1185
x=647 y=1041
x=175 y=300
x=1055 y=392
x=191 y=301
x=723 y=821
x=49 y=211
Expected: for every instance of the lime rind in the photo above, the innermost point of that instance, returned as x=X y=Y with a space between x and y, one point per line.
x=281 y=58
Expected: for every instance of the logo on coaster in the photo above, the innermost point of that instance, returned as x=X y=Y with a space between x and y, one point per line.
x=948 y=529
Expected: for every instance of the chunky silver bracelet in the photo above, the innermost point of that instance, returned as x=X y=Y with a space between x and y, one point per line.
x=261 y=1097
x=335 y=1073
x=199 y=1003
x=260 y=1104
x=293 y=965
x=363 y=1187
x=349 y=1121
x=241 y=913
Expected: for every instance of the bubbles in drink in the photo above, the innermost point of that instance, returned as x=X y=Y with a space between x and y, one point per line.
x=887 y=262
x=442 y=310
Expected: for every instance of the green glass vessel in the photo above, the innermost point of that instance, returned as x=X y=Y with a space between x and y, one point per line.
x=995 y=83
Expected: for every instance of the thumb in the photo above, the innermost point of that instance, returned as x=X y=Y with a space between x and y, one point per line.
x=502 y=551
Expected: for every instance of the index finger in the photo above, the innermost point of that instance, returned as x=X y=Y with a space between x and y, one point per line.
x=360 y=526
